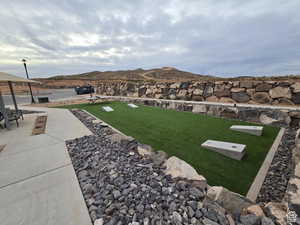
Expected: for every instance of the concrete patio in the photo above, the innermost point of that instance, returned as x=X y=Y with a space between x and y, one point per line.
x=37 y=182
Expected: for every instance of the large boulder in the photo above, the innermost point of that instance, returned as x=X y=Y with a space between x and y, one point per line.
x=197 y=92
x=261 y=97
x=296 y=98
x=240 y=96
x=284 y=101
x=182 y=94
x=256 y=210
x=296 y=87
x=263 y=87
x=226 y=100
x=179 y=168
x=293 y=193
x=208 y=91
x=246 y=84
x=280 y=92
x=275 y=118
x=232 y=202
x=212 y=99
x=276 y=211
x=236 y=90
x=197 y=98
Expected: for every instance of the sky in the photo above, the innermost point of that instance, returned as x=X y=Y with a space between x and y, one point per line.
x=217 y=37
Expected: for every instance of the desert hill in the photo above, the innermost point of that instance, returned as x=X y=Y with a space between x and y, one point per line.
x=157 y=74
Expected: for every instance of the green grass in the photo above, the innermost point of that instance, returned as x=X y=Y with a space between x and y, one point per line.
x=181 y=134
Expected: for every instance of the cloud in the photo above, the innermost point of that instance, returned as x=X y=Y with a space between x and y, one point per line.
x=226 y=38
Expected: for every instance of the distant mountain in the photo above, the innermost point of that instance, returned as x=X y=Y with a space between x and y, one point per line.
x=158 y=74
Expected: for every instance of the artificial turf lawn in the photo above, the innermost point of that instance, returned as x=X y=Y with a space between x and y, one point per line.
x=181 y=134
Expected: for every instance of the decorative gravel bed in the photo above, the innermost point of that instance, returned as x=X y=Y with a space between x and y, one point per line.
x=122 y=187
x=280 y=171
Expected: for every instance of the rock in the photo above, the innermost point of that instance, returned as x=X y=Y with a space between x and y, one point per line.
x=296 y=98
x=207 y=221
x=229 y=112
x=246 y=84
x=159 y=158
x=158 y=96
x=251 y=91
x=197 y=98
x=276 y=211
x=212 y=99
x=146 y=221
x=199 y=109
x=261 y=97
x=197 y=92
x=256 y=210
x=297 y=139
x=263 y=87
x=295 y=114
x=264 y=119
x=250 y=219
x=176 y=217
x=172 y=96
x=144 y=150
x=175 y=85
x=179 y=168
x=293 y=192
x=196 y=193
x=275 y=118
x=116 y=194
x=235 y=83
x=280 y=92
x=240 y=97
x=237 y=90
x=208 y=91
x=182 y=94
x=284 y=101
x=142 y=91
x=116 y=137
x=266 y=221
x=230 y=219
x=98 y=221
x=232 y=202
x=226 y=100
x=223 y=93
x=296 y=87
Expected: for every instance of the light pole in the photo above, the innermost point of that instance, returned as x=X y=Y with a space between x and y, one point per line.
x=29 y=85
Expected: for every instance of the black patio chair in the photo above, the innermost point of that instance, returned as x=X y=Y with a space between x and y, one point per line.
x=14 y=115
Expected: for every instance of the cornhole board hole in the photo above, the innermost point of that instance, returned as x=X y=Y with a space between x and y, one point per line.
x=231 y=150
x=107 y=108
x=255 y=130
x=132 y=105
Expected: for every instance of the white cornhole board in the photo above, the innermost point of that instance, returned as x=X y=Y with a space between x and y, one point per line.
x=231 y=150
x=132 y=105
x=255 y=130
x=107 y=108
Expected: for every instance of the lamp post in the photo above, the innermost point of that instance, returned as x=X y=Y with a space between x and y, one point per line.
x=29 y=85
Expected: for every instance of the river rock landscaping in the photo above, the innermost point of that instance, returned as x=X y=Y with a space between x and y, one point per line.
x=120 y=186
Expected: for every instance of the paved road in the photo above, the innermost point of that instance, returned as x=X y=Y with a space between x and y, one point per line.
x=53 y=94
